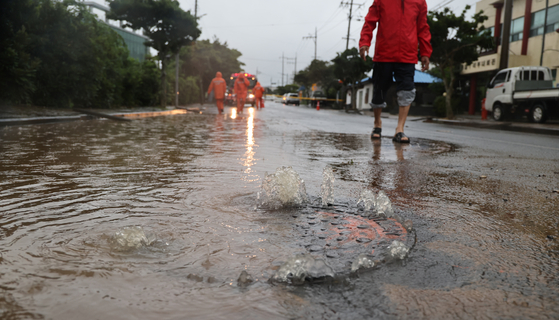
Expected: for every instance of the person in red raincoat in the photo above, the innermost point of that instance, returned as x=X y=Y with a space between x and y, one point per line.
x=258 y=91
x=241 y=90
x=402 y=28
x=219 y=87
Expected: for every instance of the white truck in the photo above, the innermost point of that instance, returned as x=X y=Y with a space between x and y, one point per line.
x=523 y=90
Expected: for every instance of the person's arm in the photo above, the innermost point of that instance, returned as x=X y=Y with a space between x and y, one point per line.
x=369 y=26
x=211 y=87
x=424 y=37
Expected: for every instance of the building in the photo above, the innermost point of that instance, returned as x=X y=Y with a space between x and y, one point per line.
x=422 y=104
x=533 y=41
x=135 y=42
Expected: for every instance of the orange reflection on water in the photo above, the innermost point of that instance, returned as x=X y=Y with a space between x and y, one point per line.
x=249 y=154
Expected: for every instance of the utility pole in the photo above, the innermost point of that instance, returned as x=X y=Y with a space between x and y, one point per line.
x=315 y=38
x=196 y=9
x=349 y=23
x=282 y=60
x=295 y=62
x=349 y=19
x=177 y=81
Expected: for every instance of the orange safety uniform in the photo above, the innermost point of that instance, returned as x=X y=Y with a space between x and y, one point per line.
x=241 y=90
x=258 y=91
x=219 y=86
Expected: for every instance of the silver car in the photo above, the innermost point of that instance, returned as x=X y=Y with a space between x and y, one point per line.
x=291 y=98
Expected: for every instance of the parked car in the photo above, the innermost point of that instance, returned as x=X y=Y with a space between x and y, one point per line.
x=523 y=90
x=317 y=96
x=291 y=98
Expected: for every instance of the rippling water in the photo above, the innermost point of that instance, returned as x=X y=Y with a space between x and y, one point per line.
x=191 y=181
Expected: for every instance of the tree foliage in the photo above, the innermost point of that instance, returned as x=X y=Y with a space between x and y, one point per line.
x=350 y=68
x=56 y=53
x=456 y=41
x=199 y=63
x=321 y=73
x=168 y=27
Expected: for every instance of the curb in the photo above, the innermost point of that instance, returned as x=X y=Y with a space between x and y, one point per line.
x=128 y=116
x=505 y=126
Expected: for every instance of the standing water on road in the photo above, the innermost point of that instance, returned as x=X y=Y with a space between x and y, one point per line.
x=162 y=218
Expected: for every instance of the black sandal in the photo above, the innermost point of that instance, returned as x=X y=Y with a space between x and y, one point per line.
x=399 y=136
x=376 y=131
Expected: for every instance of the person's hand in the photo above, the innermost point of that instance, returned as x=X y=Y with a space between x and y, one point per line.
x=424 y=63
x=364 y=52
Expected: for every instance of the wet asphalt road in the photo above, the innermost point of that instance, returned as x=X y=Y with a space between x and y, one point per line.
x=482 y=202
x=485 y=206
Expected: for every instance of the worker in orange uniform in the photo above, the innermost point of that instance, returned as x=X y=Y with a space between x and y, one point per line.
x=258 y=91
x=219 y=87
x=241 y=90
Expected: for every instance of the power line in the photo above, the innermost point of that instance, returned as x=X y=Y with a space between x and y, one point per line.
x=330 y=19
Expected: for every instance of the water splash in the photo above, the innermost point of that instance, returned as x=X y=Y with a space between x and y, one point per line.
x=327 y=186
x=362 y=261
x=383 y=205
x=303 y=267
x=397 y=250
x=367 y=199
x=129 y=238
x=283 y=188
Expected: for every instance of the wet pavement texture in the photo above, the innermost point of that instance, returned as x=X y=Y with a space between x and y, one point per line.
x=483 y=205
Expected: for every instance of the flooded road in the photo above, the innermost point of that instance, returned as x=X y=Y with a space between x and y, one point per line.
x=485 y=222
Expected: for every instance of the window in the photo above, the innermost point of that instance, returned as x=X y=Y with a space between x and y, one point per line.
x=499 y=78
x=552 y=23
x=532 y=75
x=516 y=29
x=537 y=24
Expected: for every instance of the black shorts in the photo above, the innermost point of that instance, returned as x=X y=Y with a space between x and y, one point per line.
x=384 y=72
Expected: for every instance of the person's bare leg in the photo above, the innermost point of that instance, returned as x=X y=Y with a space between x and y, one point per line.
x=402 y=116
x=378 y=121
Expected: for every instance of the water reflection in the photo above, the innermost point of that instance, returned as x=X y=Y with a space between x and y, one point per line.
x=249 y=160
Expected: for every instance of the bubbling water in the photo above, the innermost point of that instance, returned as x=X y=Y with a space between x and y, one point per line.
x=383 y=205
x=397 y=250
x=283 y=188
x=362 y=261
x=130 y=238
x=303 y=267
x=327 y=186
x=367 y=199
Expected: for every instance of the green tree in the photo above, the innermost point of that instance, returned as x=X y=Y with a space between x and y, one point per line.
x=288 y=88
x=456 y=41
x=204 y=58
x=168 y=27
x=319 y=72
x=350 y=68
x=198 y=64
x=17 y=66
x=56 y=53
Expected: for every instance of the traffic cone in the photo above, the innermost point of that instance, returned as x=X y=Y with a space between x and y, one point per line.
x=318 y=105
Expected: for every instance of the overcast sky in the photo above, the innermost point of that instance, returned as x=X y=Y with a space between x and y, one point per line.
x=263 y=30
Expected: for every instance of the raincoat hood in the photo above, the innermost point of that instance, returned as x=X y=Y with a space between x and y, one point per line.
x=241 y=76
x=218 y=75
